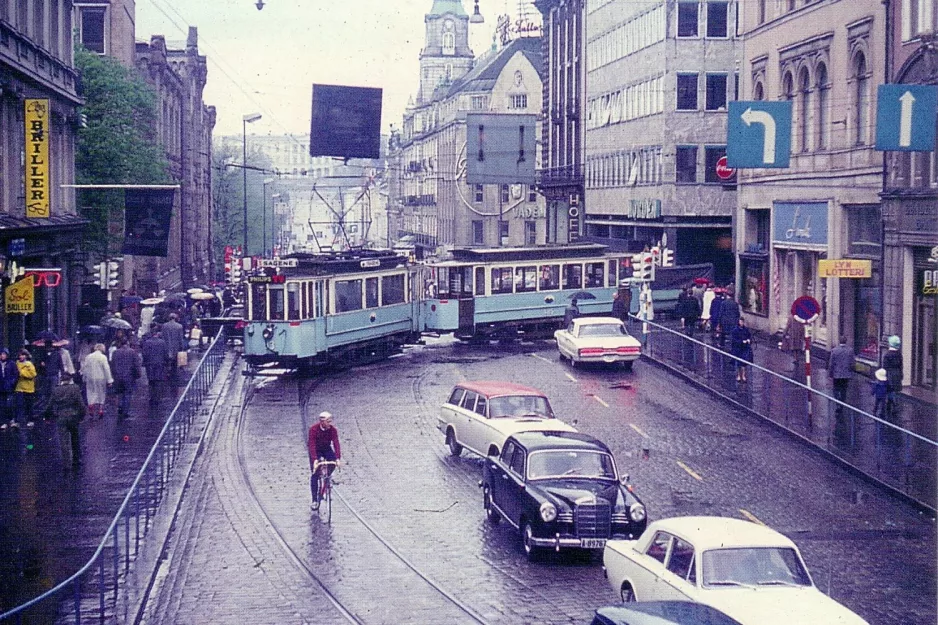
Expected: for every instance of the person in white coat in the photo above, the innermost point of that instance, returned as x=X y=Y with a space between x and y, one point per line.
x=708 y=297
x=96 y=374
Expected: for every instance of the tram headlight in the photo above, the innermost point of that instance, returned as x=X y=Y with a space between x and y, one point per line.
x=268 y=332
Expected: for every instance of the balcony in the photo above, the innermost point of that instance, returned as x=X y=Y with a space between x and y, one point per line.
x=567 y=175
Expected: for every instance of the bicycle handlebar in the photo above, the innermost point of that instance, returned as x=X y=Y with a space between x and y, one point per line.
x=325 y=463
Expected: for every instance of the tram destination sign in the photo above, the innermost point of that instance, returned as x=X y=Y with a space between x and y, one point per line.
x=277 y=263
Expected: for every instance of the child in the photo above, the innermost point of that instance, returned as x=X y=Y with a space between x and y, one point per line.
x=880 y=392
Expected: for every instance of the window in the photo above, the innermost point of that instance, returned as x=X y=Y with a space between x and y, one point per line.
x=525 y=279
x=761 y=12
x=658 y=549
x=479 y=193
x=371 y=292
x=917 y=18
x=823 y=106
x=480 y=405
x=503 y=231
x=501 y=280
x=348 y=295
x=478 y=232
x=572 y=277
x=480 y=281
x=550 y=277
x=687 y=19
x=456 y=398
x=293 y=301
x=682 y=557
x=532 y=194
x=685 y=166
x=804 y=88
x=504 y=192
x=758 y=93
x=712 y=154
x=864 y=230
x=717 y=19
x=716 y=92
x=91 y=28
x=595 y=275
x=276 y=303
x=687 y=92
x=39 y=12
x=469 y=401
x=517 y=461
x=518 y=101
x=392 y=290
x=477 y=102
x=258 y=302
x=449 y=43
x=530 y=233
x=862 y=99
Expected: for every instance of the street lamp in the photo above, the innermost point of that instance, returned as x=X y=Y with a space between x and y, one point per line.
x=267 y=181
x=247 y=119
x=273 y=203
x=476 y=16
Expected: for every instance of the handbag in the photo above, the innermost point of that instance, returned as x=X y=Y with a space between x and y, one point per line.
x=182 y=359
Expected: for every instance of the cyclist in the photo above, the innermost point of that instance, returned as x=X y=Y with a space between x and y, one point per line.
x=322 y=444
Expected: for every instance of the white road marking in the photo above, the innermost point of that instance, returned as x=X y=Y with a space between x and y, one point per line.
x=570 y=377
x=638 y=429
x=690 y=471
x=749 y=515
x=600 y=400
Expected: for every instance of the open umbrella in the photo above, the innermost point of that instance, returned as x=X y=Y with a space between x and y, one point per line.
x=130 y=300
x=117 y=323
x=152 y=301
x=581 y=295
x=202 y=296
x=194 y=290
x=46 y=335
x=702 y=281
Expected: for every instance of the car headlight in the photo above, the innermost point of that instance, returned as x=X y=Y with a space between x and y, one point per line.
x=548 y=512
x=637 y=512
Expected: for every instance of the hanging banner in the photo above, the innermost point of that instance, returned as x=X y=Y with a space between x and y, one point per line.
x=37 y=159
x=18 y=297
x=147 y=215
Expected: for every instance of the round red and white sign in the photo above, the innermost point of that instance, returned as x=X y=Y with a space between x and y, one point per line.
x=724 y=172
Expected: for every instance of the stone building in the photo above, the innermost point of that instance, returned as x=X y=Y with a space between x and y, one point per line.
x=429 y=198
x=39 y=226
x=826 y=57
x=910 y=205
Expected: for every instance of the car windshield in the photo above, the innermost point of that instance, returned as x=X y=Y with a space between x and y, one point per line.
x=754 y=566
x=567 y=463
x=520 y=406
x=603 y=329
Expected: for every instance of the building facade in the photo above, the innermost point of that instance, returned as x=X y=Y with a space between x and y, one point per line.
x=910 y=205
x=826 y=57
x=659 y=75
x=39 y=225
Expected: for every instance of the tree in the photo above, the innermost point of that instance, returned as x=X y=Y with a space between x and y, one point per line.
x=119 y=144
x=228 y=193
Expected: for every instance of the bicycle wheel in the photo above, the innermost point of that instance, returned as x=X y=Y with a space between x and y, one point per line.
x=328 y=495
x=314 y=490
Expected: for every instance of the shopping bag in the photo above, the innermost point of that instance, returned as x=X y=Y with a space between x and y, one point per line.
x=182 y=359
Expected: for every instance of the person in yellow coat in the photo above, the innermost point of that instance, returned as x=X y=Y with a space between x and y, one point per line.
x=25 y=390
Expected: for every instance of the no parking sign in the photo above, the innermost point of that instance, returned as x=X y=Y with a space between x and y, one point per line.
x=805 y=309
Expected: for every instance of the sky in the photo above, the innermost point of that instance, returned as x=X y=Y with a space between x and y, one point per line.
x=267 y=61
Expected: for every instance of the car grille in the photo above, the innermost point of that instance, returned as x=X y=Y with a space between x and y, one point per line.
x=593 y=520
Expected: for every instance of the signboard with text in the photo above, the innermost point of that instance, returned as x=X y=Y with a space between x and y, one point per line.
x=845 y=268
x=19 y=298
x=799 y=223
x=37 y=159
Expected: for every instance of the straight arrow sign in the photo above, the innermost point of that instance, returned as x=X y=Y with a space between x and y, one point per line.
x=905 y=119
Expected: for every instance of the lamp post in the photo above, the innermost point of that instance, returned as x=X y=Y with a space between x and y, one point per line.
x=273 y=203
x=247 y=119
x=267 y=181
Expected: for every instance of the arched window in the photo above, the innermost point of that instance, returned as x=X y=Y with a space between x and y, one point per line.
x=862 y=111
x=823 y=106
x=449 y=43
x=788 y=94
x=759 y=92
x=804 y=112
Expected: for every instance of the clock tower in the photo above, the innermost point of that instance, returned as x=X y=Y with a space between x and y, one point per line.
x=446 y=55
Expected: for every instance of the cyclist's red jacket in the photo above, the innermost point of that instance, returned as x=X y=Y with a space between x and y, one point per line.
x=321 y=441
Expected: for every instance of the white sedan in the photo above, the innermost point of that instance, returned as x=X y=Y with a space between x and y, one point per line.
x=598 y=339
x=748 y=571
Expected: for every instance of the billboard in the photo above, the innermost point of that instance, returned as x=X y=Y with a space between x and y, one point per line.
x=37 y=158
x=500 y=148
x=346 y=122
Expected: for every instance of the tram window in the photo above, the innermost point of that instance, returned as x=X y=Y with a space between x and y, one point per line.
x=304 y=300
x=258 y=302
x=480 y=280
x=612 y=273
x=550 y=277
x=276 y=303
x=442 y=282
x=392 y=290
x=595 y=274
x=348 y=295
x=371 y=292
x=525 y=279
x=572 y=277
x=501 y=280
x=320 y=298
x=293 y=301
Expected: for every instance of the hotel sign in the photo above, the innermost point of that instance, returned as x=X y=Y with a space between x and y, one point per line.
x=845 y=268
x=37 y=158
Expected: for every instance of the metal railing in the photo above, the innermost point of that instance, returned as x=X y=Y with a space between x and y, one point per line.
x=93 y=591
x=895 y=447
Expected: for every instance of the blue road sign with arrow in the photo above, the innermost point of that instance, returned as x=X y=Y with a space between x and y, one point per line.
x=758 y=134
x=905 y=117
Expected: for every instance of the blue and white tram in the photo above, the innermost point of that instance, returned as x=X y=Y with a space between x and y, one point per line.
x=499 y=292
x=343 y=308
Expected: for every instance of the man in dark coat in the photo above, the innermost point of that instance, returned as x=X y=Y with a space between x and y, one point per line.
x=49 y=370
x=892 y=363
x=688 y=309
x=729 y=317
x=68 y=408
x=840 y=369
x=154 y=361
x=125 y=367
x=9 y=375
x=619 y=309
x=175 y=338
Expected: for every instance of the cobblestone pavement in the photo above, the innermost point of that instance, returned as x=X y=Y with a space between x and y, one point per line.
x=247 y=547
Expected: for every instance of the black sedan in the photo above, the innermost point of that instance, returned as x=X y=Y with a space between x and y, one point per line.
x=661 y=613
x=560 y=490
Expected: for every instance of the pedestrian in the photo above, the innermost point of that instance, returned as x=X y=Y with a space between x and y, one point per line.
x=25 y=391
x=570 y=313
x=793 y=341
x=706 y=306
x=741 y=347
x=715 y=306
x=892 y=363
x=840 y=369
x=9 y=375
x=125 y=365
x=619 y=310
x=688 y=309
x=96 y=374
x=153 y=351
x=729 y=316
x=68 y=408
x=48 y=371
x=175 y=338
x=880 y=392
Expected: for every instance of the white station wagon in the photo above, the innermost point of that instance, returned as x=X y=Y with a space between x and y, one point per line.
x=479 y=416
x=748 y=571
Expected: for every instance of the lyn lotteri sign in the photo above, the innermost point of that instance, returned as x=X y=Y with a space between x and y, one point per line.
x=507 y=30
x=19 y=297
x=845 y=268
x=37 y=159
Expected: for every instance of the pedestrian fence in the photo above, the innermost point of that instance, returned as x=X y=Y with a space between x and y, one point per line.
x=92 y=593
x=896 y=448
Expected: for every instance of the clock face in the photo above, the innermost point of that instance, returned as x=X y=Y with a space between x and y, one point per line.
x=448 y=26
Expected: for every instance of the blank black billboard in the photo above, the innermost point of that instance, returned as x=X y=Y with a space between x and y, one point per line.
x=346 y=122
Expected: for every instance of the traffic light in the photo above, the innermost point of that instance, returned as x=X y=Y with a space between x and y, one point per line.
x=100 y=274
x=667 y=258
x=235 y=273
x=643 y=266
x=113 y=274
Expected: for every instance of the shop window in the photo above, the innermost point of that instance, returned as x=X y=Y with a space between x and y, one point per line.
x=755 y=295
x=687 y=92
x=717 y=18
x=686 y=163
x=687 y=19
x=864 y=230
x=716 y=92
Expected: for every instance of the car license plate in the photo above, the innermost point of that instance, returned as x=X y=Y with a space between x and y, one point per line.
x=592 y=543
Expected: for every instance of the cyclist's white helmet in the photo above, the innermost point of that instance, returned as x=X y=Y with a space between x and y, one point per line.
x=325 y=415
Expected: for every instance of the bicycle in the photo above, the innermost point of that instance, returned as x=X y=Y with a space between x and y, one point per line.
x=321 y=484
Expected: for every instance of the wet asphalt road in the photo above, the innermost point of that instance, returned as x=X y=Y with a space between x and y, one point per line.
x=408 y=542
